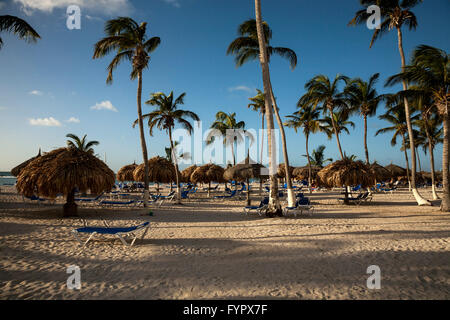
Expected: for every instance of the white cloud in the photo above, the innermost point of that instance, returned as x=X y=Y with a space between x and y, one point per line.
x=36 y=93
x=104 y=105
x=107 y=7
x=94 y=18
x=241 y=88
x=174 y=3
x=45 y=122
x=73 y=120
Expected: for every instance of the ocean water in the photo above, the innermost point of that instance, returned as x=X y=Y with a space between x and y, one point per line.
x=6 y=179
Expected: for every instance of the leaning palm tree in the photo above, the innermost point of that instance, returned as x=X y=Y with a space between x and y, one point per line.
x=308 y=119
x=429 y=70
x=323 y=93
x=248 y=47
x=258 y=104
x=131 y=44
x=396 y=14
x=364 y=99
x=81 y=144
x=341 y=124
x=231 y=130
x=164 y=117
x=318 y=157
x=18 y=27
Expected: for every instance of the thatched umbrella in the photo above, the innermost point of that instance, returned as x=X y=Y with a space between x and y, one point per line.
x=160 y=170
x=245 y=172
x=16 y=170
x=302 y=173
x=396 y=171
x=346 y=173
x=186 y=173
x=62 y=171
x=126 y=172
x=380 y=172
x=281 y=171
x=208 y=173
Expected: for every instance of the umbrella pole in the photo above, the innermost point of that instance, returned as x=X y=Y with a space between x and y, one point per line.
x=346 y=196
x=70 y=208
x=248 y=193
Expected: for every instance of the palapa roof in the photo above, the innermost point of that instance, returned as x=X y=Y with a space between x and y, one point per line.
x=346 y=173
x=61 y=170
x=396 y=171
x=281 y=172
x=208 y=173
x=302 y=173
x=16 y=170
x=380 y=172
x=159 y=170
x=186 y=173
x=242 y=172
x=126 y=172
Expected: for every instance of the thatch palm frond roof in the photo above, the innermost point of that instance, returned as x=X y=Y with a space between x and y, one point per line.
x=126 y=172
x=62 y=170
x=346 y=173
x=242 y=172
x=380 y=172
x=16 y=170
x=396 y=171
x=159 y=170
x=281 y=172
x=302 y=173
x=208 y=173
x=186 y=173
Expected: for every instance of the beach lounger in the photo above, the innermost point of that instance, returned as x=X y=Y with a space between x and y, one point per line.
x=117 y=203
x=301 y=205
x=121 y=233
x=231 y=195
x=89 y=200
x=259 y=209
x=169 y=198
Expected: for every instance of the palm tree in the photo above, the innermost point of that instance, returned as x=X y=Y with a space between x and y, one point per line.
x=341 y=123
x=308 y=119
x=318 y=157
x=429 y=70
x=81 y=144
x=364 y=99
x=321 y=91
x=226 y=123
x=254 y=38
x=165 y=116
x=130 y=41
x=396 y=116
x=258 y=104
x=18 y=27
x=396 y=14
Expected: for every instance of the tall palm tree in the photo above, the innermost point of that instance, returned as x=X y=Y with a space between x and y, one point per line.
x=318 y=157
x=396 y=14
x=308 y=119
x=129 y=40
x=364 y=99
x=341 y=123
x=248 y=47
x=164 y=117
x=18 y=27
x=81 y=144
x=429 y=70
x=226 y=124
x=396 y=117
x=323 y=93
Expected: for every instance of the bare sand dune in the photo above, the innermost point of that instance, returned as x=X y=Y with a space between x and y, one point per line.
x=206 y=249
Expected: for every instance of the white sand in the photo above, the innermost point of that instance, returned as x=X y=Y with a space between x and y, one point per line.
x=206 y=249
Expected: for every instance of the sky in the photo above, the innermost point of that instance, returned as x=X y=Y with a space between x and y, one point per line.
x=54 y=87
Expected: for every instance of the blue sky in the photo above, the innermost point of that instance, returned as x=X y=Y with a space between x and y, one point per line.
x=56 y=78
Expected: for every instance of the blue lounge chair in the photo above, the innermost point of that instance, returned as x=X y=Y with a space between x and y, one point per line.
x=121 y=233
x=88 y=200
x=301 y=205
x=259 y=209
x=231 y=195
x=117 y=203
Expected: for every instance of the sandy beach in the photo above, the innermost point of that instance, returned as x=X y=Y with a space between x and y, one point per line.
x=207 y=249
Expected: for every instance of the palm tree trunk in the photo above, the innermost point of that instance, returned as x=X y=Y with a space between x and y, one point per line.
x=445 y=205
x=174 y=158
x=262 y=138
x=336 y=132
x=433 y=179
x=274 y=206
x=366 y=150
x=141 y=132
x=407 y=162
x=420 y=200
x=309 y=163
x=418 y=159
x=290 y=191
x=232 y=153
x=70 y=208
